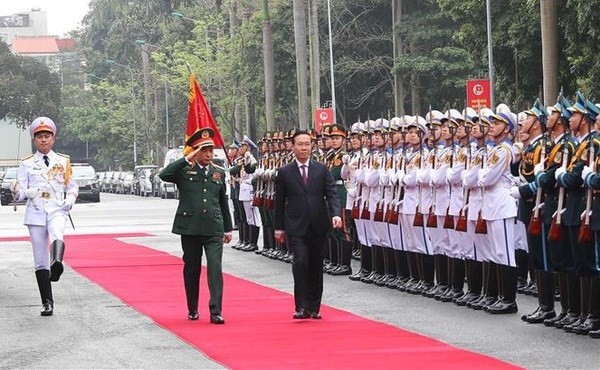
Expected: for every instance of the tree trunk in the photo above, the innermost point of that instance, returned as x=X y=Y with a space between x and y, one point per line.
x=147 y=97
x=549 y=49
x=269 y=66
x=414 y=88
x=397 y=48
x=238 y=108
x=315 y=65
x=301 y=63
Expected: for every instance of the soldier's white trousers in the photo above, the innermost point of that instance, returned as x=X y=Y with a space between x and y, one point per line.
x=42 y=237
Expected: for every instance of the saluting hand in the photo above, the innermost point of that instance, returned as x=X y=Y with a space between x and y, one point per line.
x=191 y=157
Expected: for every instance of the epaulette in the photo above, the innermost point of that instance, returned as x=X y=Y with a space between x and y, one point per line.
x=63 y=155
x=217 y=166
x=26 y=158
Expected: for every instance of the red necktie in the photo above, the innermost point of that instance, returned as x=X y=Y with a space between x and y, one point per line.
x=304 y=175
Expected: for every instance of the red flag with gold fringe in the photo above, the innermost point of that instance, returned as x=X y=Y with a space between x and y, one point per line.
x=199 y=116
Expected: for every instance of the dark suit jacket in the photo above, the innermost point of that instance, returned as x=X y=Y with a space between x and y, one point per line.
x=203 y=206
x=300 y=209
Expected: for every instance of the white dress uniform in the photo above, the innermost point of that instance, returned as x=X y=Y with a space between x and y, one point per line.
x=461 y=242
x=498 y=207
x=417 y=237
x=247 y=192
x=436 y=176
x=50 y=193
x=377 y=231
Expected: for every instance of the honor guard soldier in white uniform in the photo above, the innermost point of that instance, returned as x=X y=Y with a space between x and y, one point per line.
x=246 y=196
x=420 y=256
x=499 y=209
x=44 y=179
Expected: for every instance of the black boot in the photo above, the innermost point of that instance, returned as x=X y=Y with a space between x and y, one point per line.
x=473 y=273
x=563 y=283
x=254 y=232
x=375 y=259
x=345 y=258
x=522 y=270
x=490 y=287
x=457 y=280
x=508 y=304
x=584 y=296
x=333 y=256
x=545 y=310
x=56 y=266
x=365 y=264
x=441 y=277
x=573 y=301
x=592 y=322
x=45 y=287
x=388 y=262
x=241 y=235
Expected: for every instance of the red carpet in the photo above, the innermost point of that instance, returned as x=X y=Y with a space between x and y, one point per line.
x=259 y=332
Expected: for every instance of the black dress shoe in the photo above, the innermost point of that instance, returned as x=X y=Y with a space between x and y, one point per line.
x=216 y=319
x=594 y=333
x=193 y=315
x=539 y=316
x=569 y=319
x=503 y=307
x=590 y=324
x=550 y=322
x=315 y=316
x=47 y=308
x=302 y=314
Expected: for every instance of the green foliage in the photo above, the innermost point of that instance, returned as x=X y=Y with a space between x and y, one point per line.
x=27 y=89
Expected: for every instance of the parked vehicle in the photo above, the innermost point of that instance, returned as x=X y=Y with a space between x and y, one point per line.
x=142 y=179
x=6 y=182
x=126 y=183
x=86 y=178
x=106 y=183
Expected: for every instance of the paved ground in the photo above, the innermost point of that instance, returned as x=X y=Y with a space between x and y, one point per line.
x=92 y=329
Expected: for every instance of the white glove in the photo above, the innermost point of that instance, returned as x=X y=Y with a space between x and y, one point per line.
x=360 y=175
x=538 y=168
x=259 y=172
x=393 y=179
x=514 y=192
x=400 y=174
x=559 y=171
x=31 y=192
x=586 y=171
x=68 y=202
x=345 y=159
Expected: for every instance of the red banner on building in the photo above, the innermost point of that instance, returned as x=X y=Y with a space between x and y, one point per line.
x=323 y=116
x=478 y=93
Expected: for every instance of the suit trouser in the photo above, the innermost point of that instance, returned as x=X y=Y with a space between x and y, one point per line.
x=192 y=258
x=41 y=236
x=307 y=269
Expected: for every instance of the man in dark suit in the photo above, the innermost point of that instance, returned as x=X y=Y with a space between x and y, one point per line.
x=202 y=219
x=306 y=208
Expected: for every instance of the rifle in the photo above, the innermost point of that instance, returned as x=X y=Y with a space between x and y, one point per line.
x=585 y=232
x=258 y=199
x=555 y=232
x=461 y=222
x=365 y=214
x=418 y=221
x=449 y=219
x=355 y=213
x=481 y=224
x=535 y=224
x=392 y=216
x=432 y=218
x=379 y=211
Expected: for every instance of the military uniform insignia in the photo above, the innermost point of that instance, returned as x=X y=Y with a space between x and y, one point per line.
x=462 y=158
x=376 y=164
x=528 y=159
x=192 y=172
x=337 y=162
x=477 y=161
x=558 y=158
x=56 y=172
x=216 y=176
x=494 y=159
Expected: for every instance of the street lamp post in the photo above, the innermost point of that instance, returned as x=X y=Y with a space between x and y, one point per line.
x=109 y=61
x=331 y=62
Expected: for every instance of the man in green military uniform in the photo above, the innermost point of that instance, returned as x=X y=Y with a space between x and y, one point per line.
x=202 y=219
x=341 y=244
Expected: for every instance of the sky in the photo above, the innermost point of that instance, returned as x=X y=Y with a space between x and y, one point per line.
x=63 y=15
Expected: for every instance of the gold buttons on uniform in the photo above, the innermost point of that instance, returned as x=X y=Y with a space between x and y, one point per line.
x=191 y=179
